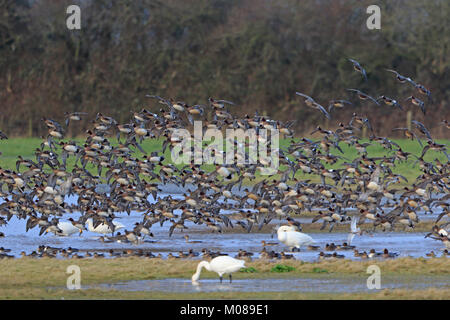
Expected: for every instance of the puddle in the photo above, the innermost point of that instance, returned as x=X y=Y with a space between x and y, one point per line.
x=323 y=285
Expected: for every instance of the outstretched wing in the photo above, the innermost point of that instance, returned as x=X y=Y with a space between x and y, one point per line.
x=303 y=95
x=322 y=109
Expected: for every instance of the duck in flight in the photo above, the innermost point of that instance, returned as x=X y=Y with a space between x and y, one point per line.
x=358 y=68
x=313 y=104
x=364 y=96
x=417 y=102
x=400 y=78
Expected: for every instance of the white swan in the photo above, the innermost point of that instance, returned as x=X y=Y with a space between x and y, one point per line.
x=103 y=227
x=221 y=265
x=293 y=239
x=64 y=229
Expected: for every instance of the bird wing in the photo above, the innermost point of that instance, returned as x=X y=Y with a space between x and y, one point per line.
x=350 y=238
x=353 y=227
x=225 y=101
x=363 y=71
x=373 y=99
x=393 y=71
x=322 y=109
x=303 y=95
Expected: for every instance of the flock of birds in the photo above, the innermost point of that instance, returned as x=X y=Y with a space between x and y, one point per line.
x=360 y=190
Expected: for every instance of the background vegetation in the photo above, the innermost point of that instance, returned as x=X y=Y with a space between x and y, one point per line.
x=256 y=53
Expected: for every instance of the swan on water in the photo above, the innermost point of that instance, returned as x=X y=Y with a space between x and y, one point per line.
x=221 y=265
x=64 y=229
x=103 y=227
x=293 y=239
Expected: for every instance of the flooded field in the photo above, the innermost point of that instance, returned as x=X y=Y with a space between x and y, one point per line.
x=409 y=243
x=325 y=284
x=406 y=244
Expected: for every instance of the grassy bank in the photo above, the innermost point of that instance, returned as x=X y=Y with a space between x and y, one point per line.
x=387 y=294
x=46 y=278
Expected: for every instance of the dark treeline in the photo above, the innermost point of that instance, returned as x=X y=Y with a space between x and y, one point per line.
x=255 y=53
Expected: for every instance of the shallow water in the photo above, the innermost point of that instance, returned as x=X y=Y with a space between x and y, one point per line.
x=320 y=285
x=406 y=244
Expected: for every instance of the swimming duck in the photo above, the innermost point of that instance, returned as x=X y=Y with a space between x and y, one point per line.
x=356 y=253
x=323 y=255
x=191 y=253
x=285 y=256
x=114 y=254
x=265 y=244
x=191 y=241
x=373 y=253
x=170 y=256
x=330 y=247
x=387 y=254
x=364 y=255
x=337 y=256
x=345 y=246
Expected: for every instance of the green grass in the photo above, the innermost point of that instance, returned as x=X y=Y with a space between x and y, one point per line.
x=406 y=168
x=26 y=147
x=282 y=268
x=14 y=147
